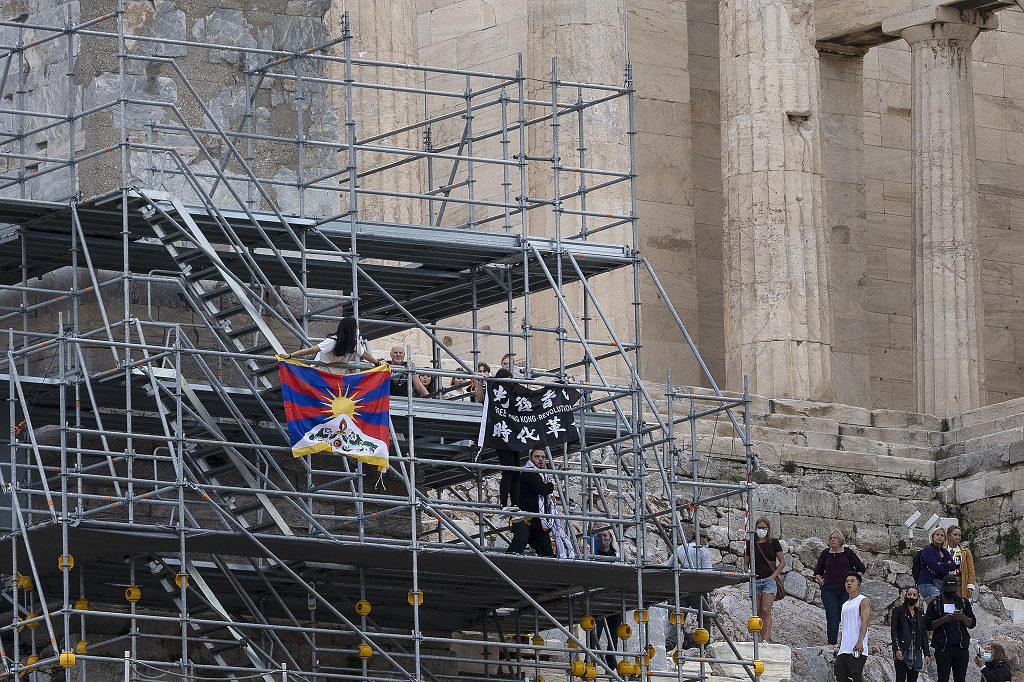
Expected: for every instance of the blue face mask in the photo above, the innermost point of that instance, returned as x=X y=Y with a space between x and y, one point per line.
x=986 y=656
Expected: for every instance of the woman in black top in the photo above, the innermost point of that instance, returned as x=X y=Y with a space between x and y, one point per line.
x=834 y=563
x=769 y=560
x=996 y=666
x=909 y=636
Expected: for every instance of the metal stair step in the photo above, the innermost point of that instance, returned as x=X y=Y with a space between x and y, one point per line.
x=205 y=273
x=210 y=294
x=242 y=331
x=189 y=256
x=231 y=311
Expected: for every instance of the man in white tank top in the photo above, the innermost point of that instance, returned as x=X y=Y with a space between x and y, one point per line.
x=853 y=632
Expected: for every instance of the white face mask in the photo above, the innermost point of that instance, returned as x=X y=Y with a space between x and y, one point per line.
x=762 y=532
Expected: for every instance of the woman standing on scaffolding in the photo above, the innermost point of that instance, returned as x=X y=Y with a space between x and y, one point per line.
x=338 y=352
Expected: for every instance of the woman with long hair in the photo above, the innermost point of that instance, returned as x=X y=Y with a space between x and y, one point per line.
x=340 y=350
x=769 y=560
x=909 y=636
x=994 y=663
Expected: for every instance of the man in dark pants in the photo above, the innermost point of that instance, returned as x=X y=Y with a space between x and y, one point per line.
x=852 y=650
x=532 y=487
x=948 y=618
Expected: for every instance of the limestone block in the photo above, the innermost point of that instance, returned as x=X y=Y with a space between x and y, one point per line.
x=775 y=498
x=895 y=436
x=844 y=414
x=797 y=423
x=872 y=537
x=797 y=585
x=807 y=549
x=821 y=503
x=995 y=567
x=882 y=595
x=869 y=508
x=898 y=420
x=778 y=660
x=799 y=527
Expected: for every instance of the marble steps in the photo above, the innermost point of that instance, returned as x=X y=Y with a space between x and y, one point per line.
x=975 y=432
x=776 y=455
x=987 y=414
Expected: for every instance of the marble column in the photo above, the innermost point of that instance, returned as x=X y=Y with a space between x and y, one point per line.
x=842 y=129
x=948 y=317
x=586 y=39
x=778 y=315
x=384 y=31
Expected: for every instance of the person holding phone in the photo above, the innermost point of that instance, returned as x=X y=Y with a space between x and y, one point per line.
x=949 y=618
x=994 y=663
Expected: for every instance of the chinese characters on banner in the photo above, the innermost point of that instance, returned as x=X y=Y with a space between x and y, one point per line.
x=516 y=418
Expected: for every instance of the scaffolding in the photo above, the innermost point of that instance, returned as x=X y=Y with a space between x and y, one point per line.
x=157 y=521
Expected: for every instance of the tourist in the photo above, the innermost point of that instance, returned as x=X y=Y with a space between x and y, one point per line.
x=853 y=632
x=339 y=351
x=534 y=494
x=477 y=383
x=909 y=636
x=834 y=563
x=963 y=559
x=604 y=546
x=692 y=555
x=769 y=560
x=948 y=619
x=399 y=382
x=936 y=564
x=994 y=664
x=427 y=381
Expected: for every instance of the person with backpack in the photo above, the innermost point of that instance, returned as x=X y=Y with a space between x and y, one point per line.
x=948 y=619
x=834 y=563
x=932 y=564
x=909 y=637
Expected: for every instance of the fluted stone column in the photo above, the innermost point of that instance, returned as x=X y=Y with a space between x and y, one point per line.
x=948 y=316
x=778 y=318
x=586 y=38
x=385 y=31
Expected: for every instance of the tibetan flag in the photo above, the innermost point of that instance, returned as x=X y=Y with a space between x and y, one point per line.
x=347 y=414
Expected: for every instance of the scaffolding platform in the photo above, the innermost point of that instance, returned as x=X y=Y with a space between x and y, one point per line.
x=458 y=586
x=146 y=444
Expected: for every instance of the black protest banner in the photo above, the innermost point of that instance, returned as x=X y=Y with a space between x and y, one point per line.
x=516 y=418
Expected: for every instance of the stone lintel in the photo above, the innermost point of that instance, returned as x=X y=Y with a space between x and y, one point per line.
x=843 y=50
x=939 y=14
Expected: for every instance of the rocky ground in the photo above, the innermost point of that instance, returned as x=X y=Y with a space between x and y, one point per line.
x=800 y=620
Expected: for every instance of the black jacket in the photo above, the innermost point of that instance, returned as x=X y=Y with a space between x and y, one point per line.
x=939 y=634
x=997 y=671
x=531 y=486
x=908 y=633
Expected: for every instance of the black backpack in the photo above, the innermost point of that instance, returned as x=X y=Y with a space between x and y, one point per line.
x=917 y=567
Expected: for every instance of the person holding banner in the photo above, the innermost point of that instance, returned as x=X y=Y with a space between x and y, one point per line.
x=338 y=352
x=534 y=497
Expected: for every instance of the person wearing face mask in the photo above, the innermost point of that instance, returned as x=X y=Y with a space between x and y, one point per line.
x=994 y=664
x=963 y=559
x=909 y=637
x=948 y=619
x=769 y=560
x=834 y=562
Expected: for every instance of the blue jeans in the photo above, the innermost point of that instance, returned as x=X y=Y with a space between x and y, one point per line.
x=930 y=588
x=833 y=597
x=765 y=586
